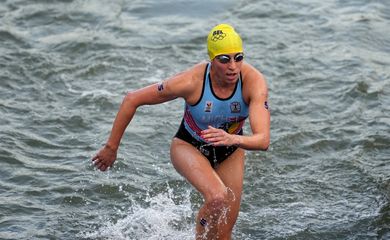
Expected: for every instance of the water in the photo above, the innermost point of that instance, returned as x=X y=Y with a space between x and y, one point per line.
x=65 y=66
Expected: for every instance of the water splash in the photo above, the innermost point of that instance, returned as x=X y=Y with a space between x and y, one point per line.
x=157 y=217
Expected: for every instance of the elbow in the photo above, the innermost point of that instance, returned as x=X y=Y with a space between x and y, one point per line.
x=266 y=141
x=130 y=100
x=129 y=97
x=258 y=143
x=259 y=147
x=264 y=144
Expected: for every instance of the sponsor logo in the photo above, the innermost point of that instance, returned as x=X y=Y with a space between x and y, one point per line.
x=218 y=35
x=235 y=107
x=208 y=106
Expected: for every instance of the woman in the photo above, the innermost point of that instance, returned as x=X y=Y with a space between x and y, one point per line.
x=208 y=149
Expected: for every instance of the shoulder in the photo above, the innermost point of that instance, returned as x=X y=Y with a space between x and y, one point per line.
x=254 y=82
x=196 y=72
x=251 y=74
x=187 y=81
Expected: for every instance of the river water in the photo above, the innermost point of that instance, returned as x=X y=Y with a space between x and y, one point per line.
x=65 y=66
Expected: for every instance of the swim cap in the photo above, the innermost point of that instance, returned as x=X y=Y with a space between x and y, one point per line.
x=223 y=39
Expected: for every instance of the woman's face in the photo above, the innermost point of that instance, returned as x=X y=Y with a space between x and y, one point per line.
x=227 y=67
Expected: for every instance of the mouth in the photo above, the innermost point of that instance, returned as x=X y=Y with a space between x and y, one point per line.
x=231 y=75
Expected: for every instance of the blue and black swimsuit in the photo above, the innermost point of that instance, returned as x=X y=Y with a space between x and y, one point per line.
x=228 y=114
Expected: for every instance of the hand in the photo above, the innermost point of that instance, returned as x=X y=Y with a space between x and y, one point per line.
x=105 y=158
x=219 y=137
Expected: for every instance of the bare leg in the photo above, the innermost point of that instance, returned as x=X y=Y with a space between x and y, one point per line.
x=222 y=200
x=231 y=171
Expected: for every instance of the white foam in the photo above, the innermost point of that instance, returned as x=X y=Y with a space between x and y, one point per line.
x=161 y=219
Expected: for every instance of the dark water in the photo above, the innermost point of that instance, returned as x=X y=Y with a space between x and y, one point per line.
x=65 y=66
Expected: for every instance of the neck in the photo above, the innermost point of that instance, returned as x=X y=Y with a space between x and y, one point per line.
x=220 y=87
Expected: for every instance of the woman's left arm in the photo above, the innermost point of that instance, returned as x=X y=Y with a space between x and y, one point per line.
x=256 y=92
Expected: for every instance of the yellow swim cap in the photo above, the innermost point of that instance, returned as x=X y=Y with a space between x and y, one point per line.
x=223 y=39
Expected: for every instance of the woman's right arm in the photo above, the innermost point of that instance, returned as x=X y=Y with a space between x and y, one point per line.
x=145 y=96
x=176 y=86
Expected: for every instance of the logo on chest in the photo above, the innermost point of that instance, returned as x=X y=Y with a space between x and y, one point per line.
x=208 y=107
x=235 y=107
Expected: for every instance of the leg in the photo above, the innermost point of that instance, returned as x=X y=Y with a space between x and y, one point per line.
x=190 y=163
x=231 y=172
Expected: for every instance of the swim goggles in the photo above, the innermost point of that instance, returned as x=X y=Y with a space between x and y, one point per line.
x=226 y=58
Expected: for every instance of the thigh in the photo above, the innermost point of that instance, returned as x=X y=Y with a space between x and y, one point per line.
x=231 y=172
x=196 y=168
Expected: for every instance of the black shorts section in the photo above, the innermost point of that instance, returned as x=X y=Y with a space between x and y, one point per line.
x=215 y=155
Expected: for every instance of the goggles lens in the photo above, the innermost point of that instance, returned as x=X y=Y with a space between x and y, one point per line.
x=226 y=58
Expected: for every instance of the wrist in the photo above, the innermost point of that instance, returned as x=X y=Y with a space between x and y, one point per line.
x=238 y=140
x=112 y=147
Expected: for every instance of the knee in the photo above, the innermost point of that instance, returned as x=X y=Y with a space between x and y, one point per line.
x=217 y=201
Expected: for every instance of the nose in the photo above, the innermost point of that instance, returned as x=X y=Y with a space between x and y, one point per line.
x=232 y=64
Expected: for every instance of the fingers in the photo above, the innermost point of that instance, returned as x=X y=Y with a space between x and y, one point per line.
x=104 y=159
x=100 y=163
x=217 y=137
x=210 y=132
x=103 y=167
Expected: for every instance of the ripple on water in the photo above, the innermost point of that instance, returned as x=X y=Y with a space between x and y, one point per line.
x=13 y=39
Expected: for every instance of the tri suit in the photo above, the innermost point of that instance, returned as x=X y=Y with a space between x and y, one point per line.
x=228 y=114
